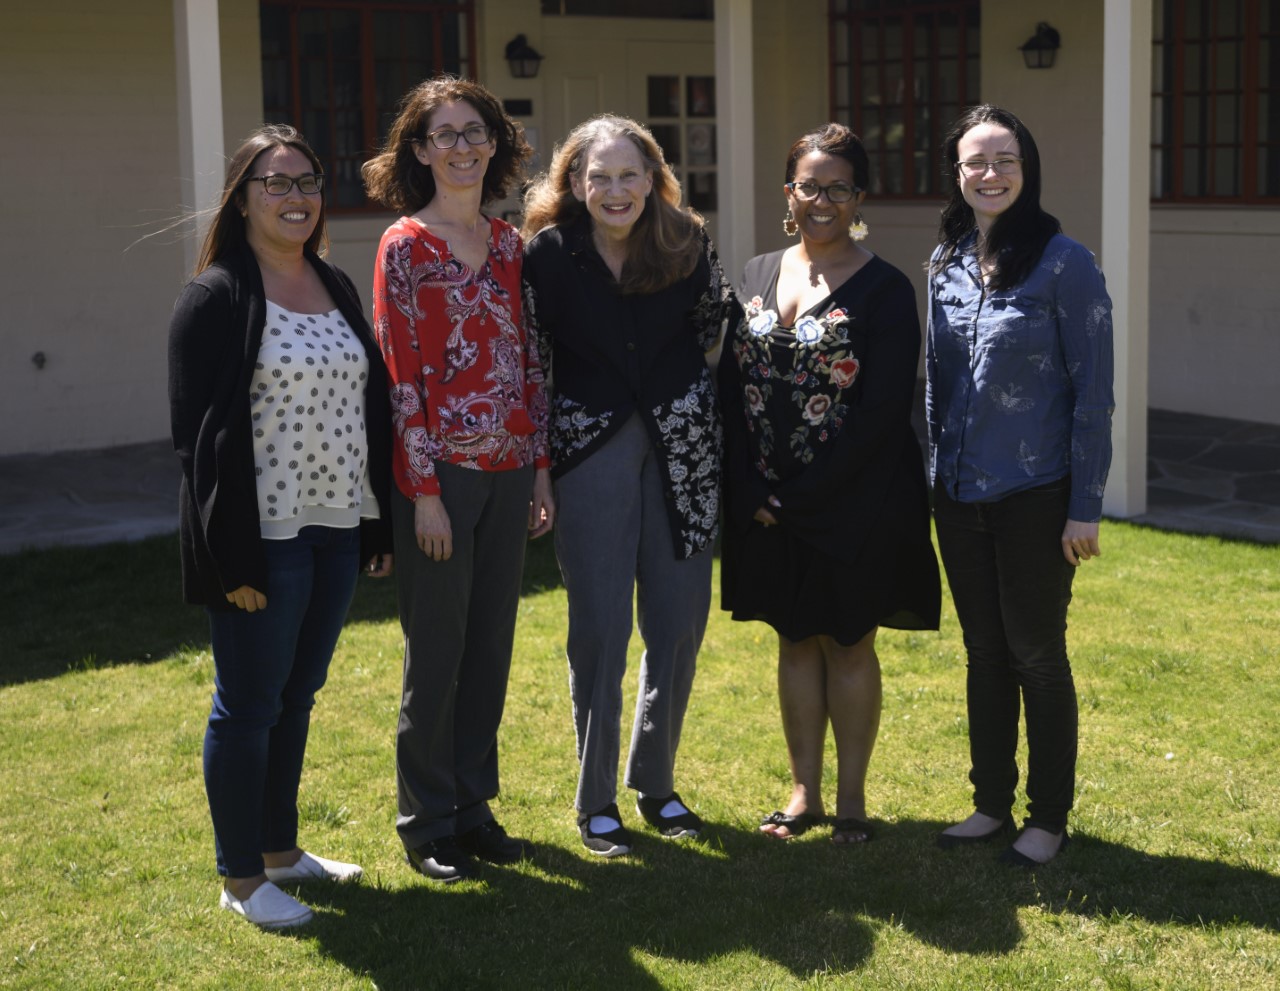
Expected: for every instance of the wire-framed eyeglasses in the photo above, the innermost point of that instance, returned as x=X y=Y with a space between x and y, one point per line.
x=976 y=168
x=446 y=138
x=837 y=192
x=309 y=183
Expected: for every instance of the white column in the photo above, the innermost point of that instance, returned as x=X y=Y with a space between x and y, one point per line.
x=198 y=61
x=1126 y=238
x=735 y=135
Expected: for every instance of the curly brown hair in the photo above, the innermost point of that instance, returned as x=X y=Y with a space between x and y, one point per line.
x=395 y=177
x=663 y=246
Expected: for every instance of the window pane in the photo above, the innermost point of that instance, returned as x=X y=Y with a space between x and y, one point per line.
x=1229 y=17
x=664 y=96
x=1191 y=170
x=702 y=191
x=1193 y=75
x=668 y=138
x=1269 y=171
x=1226 y=172
x=1193 y=125
x=893 y=172
x=313 y=39
x=1226 y=120
x=701 y=142
x=1160 y=171
x=1193 y=18
x=870 y=85
x=702 y=96
x=344 y=33
x=1227 y=65
x=274 y=30
x=948 y=80
x=948 y=34
x=1266 y=72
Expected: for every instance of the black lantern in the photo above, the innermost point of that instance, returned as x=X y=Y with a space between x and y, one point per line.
x=522 y=58
x=1040 y=49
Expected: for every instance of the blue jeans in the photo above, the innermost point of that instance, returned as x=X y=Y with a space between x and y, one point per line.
x=268 y=667
x=1011 y=587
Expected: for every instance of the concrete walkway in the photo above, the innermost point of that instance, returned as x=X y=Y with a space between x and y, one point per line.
x=1206 y=475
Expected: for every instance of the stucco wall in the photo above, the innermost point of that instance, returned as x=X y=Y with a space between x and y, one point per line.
x=87 y=167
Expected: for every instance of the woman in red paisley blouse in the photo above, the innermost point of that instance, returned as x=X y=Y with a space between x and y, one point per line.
x=827 y=535
x=470 y=458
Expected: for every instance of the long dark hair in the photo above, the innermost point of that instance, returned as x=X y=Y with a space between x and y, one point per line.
x=1018 y=236
x=227 y=233
x=664 y=245
x=395 y=177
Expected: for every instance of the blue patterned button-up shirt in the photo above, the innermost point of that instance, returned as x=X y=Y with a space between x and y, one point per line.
x=1019 y=380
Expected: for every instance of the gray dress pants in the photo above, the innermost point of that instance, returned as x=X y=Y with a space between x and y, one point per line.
x=459 y=619
x=613 y=538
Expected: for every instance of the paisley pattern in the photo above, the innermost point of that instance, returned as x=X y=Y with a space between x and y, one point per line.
x=466 y=380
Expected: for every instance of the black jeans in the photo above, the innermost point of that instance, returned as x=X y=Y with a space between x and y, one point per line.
x=1011 y=586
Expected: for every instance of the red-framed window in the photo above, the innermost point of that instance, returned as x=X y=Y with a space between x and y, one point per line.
x=336 y=70
x=1215 y=104
x=901 y=72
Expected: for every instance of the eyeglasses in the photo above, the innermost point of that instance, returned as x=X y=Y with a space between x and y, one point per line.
x=837 y=192
x=976 y=169
x=309 y=183
x=476 y=134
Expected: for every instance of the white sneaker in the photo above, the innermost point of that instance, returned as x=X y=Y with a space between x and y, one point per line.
x=268 y=907
x=310 y=868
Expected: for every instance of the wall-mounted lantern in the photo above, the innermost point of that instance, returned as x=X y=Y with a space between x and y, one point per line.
x=1040 y=49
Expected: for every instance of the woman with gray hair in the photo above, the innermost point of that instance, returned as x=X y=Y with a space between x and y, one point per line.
x=626 y=297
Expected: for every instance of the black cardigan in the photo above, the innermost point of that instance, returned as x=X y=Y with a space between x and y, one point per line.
x=214 y=338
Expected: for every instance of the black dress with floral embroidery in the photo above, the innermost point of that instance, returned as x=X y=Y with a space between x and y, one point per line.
x=819 y=416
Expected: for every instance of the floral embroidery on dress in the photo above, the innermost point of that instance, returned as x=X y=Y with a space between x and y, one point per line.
x=822 y=367
x=693 y=438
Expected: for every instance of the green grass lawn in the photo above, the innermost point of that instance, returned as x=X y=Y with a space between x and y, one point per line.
x=106 y=854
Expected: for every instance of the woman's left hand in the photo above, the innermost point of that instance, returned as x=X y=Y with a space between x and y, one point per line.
x=1079 y=542
x=379 y=566
x=542 y=509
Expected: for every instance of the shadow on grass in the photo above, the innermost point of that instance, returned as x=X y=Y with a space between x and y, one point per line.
x=73 y=608
x=572 y=922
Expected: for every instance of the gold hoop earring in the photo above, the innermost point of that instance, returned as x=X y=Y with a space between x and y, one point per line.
x=789 y=225
x=859 y=230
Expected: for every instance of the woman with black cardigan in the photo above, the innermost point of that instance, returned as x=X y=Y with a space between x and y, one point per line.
x=280 y=417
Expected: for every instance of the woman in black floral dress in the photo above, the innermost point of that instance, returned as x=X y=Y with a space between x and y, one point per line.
x=828 y=516
x=626 y=297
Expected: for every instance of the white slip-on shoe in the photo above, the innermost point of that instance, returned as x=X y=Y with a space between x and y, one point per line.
x=312 y=868
x=268 y=907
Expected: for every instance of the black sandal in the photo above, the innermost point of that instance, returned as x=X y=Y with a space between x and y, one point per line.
x=796 y=825
x=852 y=825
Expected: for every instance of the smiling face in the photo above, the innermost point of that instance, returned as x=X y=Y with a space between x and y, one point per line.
x=461 y=167
x=613 y=183
x=989 y=194
x=820 y=220
x=280 y=223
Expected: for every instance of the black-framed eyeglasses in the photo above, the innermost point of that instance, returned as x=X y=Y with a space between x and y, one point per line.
x=837 y=192
x=309 y=183
x=976 y=168
x=476 y=134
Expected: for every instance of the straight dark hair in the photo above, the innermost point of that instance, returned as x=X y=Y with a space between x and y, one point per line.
x=228 y=232
x=1018 y=237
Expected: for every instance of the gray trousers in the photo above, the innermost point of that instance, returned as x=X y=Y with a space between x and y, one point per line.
x=612 y=538
x=459 y=619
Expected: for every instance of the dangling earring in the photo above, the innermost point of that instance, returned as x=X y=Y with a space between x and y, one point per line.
x=859 y=230
x=789 y=225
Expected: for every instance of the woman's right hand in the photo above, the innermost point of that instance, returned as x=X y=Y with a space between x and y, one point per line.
x=763 y=515
x=431 y=527
x=247 y=598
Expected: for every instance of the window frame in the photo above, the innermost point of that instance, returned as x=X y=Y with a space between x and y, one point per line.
x=850 y=18
x=1169 y=138
x=371 y=138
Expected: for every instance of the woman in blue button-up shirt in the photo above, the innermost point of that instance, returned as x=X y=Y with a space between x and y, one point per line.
x=1019 y=365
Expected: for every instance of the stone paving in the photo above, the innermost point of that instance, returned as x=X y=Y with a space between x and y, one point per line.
x=1206 y=475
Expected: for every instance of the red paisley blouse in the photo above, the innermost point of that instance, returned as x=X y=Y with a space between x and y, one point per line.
x=466 y=381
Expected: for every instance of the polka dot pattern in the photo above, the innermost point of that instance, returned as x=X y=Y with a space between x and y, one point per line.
x=306 y=399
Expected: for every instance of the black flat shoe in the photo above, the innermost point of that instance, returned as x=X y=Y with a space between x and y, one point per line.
x=1015 y=858
x=686 y=823
x=441 y=860
x=949 y=841
x=489 y=841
